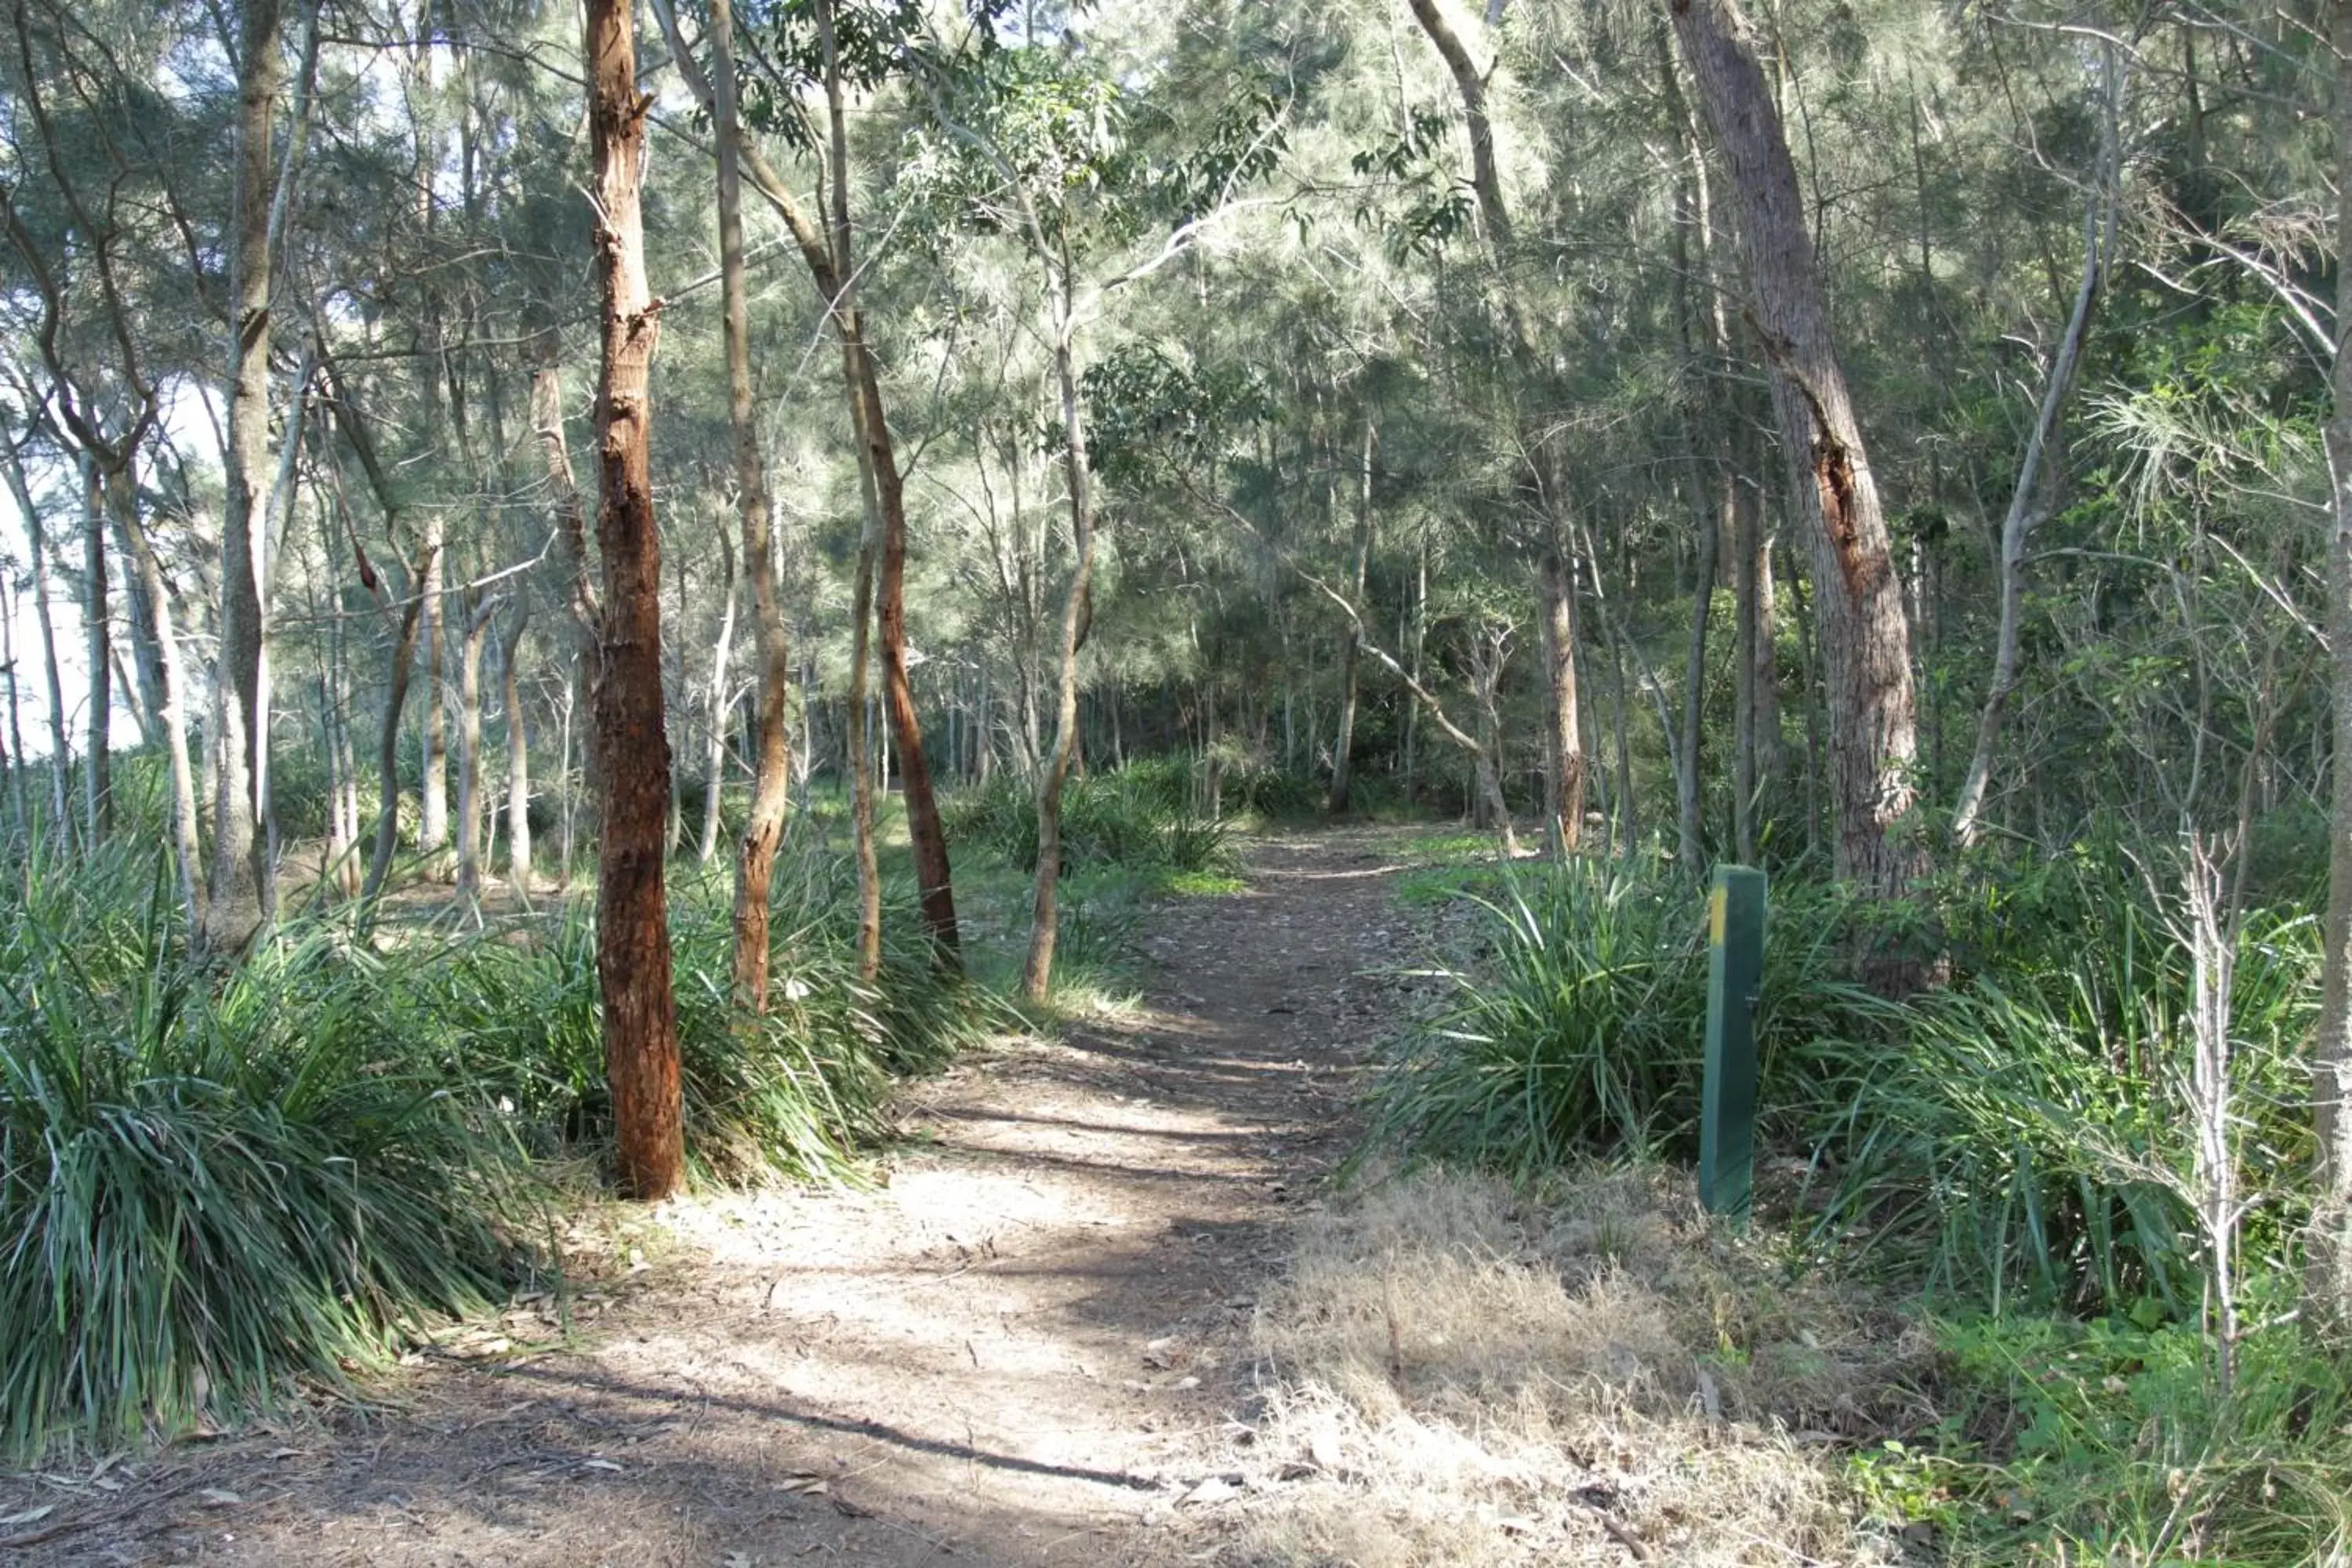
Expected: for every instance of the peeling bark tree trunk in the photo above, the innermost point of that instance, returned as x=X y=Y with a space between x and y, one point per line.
x=1865 y=638
x=234 y=901
x=633 y=955
x=755 y=861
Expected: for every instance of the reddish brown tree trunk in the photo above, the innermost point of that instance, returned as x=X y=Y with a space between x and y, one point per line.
x=925 y=836
x=1865 y=638
x=633 y=957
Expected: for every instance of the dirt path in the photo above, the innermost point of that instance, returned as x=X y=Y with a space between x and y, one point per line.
x=1024 y=1350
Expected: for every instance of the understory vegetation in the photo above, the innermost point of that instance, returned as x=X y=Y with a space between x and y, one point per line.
x=217 y=1187
x=2073 y=1358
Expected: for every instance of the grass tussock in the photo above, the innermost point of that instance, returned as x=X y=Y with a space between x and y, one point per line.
x=220 y=1186
x=1461 y=1373
x=214 y=1190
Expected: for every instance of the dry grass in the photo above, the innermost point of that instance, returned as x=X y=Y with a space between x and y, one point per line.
x=1455 y=1374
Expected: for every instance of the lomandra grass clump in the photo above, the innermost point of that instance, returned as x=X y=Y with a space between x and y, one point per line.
x=219 y=1183
x=213 y=1186
x=1579 y=1025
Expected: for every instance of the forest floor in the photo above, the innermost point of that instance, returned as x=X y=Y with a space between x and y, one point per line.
x=1032 y=1344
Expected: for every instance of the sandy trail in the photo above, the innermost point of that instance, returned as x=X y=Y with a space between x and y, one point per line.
x=1023 y=1349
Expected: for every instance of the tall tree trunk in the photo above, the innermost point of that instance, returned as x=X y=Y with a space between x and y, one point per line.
x=772 y=772
x=755 y=860
x=844 y=298
x=714 y=760
x=2328 y=1280
x=433 y=787
x=1746 y=563
x=98 y=774
x=171 y=691
x=387 y=745
x=1563 y=734
x=1343 y=748
x=1688 y=830
x=1037 y=973
x=633 y=954
x=17 y=787
x=1858 y=600
x=234 y=900
x=38 y=547
x=517 y=753
x=934 y=880
x=469 y=752
x=2027 y=504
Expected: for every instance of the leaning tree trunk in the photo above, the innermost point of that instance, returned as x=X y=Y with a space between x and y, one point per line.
x=927 y=837
x=2328 y=1279
x=1038 y=971
x=234 y=900
x=1864 y=635
x=935 y=883
x=2026 y=505
x=633 y=955
x=755 y=863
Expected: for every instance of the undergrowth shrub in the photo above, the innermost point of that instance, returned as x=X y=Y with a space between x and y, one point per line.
x=1133 y=817
x=216 y=1181
x=209 y=1188
x=2028 y=1138
x=794 y=1095
x=2107 y=1441
x=1578 y=1027
x=2021 y=1137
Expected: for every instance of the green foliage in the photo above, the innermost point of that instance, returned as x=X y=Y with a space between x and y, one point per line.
x=2026 y=1136
x=1578 y=1028
x=2021 y=1137
x=2111 y=1441
x=211 y=1185
x=794 y=1096
x=208 y=1190
x=1132 y=817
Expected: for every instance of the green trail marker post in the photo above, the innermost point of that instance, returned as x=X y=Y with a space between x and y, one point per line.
x=1735 y=978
